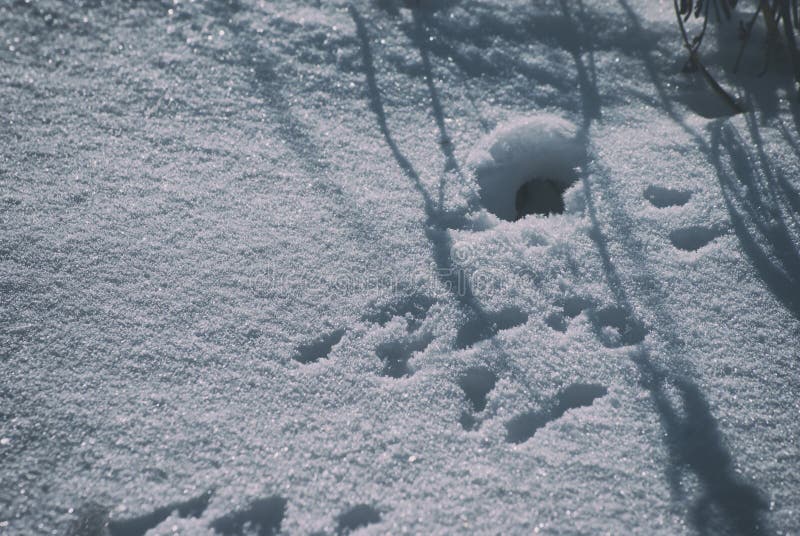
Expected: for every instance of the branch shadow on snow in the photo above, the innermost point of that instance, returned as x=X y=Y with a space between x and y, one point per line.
x=472 y=46
x=422 y=39
x=693 y=440
x=436 y=223
x=763 y=208
x=587 y=78
x=727 y=504
x=764 y=234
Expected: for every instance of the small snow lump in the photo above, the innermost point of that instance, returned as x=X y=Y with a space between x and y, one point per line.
x=524 y=166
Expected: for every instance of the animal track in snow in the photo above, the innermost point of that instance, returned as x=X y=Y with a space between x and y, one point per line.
x=138 y=526
x=413 y=307
x=356 y=517
x=318 y=348
x=477 y=383
x=557 y=322
x=395 y=354
x=666 y=197
x=575 y=305
x=94 y=518
x=523 y=427
x=572 y=307
x=262 y=517
x=693 y=238
x=615 y=327
x=477 y=329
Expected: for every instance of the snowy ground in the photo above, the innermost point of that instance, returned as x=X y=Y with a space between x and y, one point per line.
x=253 y=278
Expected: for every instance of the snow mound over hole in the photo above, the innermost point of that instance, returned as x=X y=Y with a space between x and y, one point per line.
x=577 y=395
x=524 y=167
x=262 y=517
x=356 y=517
x=693 y=238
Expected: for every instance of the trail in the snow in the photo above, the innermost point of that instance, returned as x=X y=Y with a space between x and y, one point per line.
x=691 y=433
x=480 y=324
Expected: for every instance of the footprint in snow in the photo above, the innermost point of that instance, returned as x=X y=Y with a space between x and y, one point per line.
x=486 y=326
x=319 y=347
x=262 y=517
x=616 y=327
x=572 y=307
x=395 y=354
x=661 y=197
x=94 y=519
x=693 y=238
x=524 y=426
x=688 y=238
x=477 y=383
x=413 y=307
x=356 y=517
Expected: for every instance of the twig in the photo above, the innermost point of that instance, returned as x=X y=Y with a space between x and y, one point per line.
x=694 y=57
x=746 y=37
x=790 y=39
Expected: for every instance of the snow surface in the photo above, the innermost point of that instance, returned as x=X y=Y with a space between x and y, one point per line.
x=254 y=282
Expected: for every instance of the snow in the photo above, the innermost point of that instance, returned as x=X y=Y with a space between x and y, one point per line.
x=265 y=268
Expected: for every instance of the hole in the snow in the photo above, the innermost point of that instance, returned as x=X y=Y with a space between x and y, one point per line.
x=540 y=196
x=356 y=517
x=476 y=383
x=319 y=347
x=263 y=517
x=395 y=355
x=523 y=427
x=138 y=526
x=483 y=327
x=666 y=197
x=693 y=238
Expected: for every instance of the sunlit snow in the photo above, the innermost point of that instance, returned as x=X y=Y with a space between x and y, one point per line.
x=385 y=267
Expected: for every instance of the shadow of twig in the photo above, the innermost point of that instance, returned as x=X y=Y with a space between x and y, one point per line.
x=694 y=442
x=479 y=324
x=435 y=232
x=727 y=504
x=759 y=200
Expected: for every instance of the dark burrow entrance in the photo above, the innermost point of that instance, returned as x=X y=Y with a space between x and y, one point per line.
x=540 y=196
